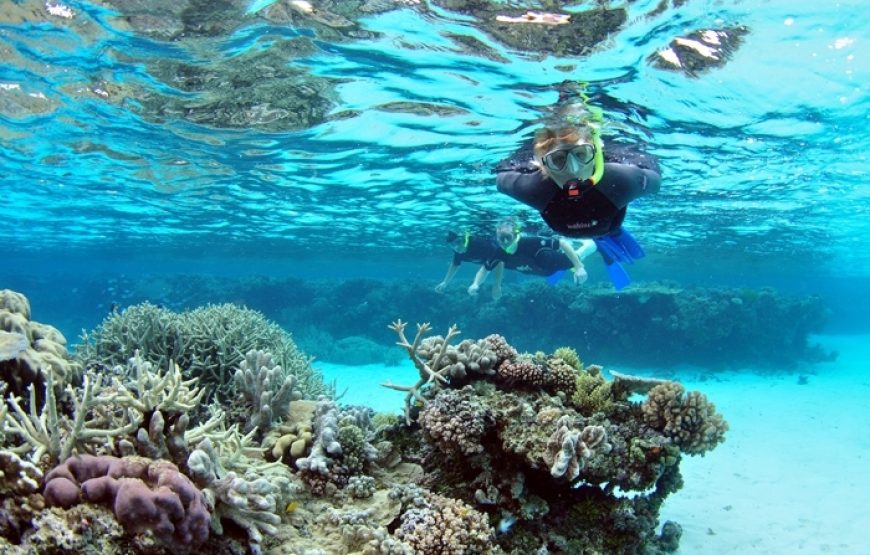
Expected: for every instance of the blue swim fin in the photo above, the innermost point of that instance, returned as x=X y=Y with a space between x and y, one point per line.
x=616 y=249
x=618 y=276
x=629 y=244
x=555 y=277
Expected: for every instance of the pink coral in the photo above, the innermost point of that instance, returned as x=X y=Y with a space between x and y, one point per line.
x=145 y=495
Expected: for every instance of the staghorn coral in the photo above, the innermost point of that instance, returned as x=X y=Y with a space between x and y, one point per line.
x=689 y=419
x=209 y=343
x=266 y=388
x=251 y=500
x=429 y=376
x=49 y=433
x=146 y=496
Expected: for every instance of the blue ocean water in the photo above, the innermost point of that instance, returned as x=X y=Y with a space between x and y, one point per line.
x=241 y=140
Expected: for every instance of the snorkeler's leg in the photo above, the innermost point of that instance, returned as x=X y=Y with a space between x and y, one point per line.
x=479 y=278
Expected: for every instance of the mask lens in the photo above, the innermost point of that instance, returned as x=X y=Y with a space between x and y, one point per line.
x=558 y=159
x=584 y=153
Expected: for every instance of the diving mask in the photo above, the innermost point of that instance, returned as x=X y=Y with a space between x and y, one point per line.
x=569 y=158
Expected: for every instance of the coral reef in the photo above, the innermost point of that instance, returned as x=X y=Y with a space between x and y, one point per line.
x=250 y=499
x=498 y=451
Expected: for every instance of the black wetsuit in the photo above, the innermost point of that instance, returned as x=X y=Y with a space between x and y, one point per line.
x=540 y=256
x=581 y=209
x=481 y=250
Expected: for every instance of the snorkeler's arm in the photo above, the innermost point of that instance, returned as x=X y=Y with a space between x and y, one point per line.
x=578 y=270
x=451 y=271
x=622 y=183
x=479 y=278
x=530 y=188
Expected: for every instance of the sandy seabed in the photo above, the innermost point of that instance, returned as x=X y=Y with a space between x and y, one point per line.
x=793 y=475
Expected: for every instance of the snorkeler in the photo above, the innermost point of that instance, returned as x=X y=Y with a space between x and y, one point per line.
x=542 y=256
x=562 y=173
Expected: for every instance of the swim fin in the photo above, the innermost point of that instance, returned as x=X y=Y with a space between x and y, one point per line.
x=620 y=246
x=618 y=276
x=555 y=277
x=615 y=249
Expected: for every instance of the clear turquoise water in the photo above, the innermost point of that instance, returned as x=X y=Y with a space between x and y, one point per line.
x=763 y=158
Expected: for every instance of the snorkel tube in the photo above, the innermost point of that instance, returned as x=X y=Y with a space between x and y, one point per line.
x=512 y=248
x=582 y=114
x=599 y=157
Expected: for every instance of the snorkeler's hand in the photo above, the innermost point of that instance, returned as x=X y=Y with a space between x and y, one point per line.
x=440 y=287
x=473 y=289
x=580 y=275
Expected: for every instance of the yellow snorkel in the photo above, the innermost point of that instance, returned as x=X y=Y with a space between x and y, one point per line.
x=592 y=117
x=599 y=157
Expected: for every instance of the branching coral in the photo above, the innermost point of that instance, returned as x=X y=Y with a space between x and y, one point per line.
x=208 y=342
x=251 y=500
x=266 y=388
x=689 y=419
x=49 y=433
x=428 y=374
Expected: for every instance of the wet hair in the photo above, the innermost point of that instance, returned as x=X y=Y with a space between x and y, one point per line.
x=452 y=236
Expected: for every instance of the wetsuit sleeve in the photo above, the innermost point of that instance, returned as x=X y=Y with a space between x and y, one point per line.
x=529 y=188
x=519 y=177
x=622 y=184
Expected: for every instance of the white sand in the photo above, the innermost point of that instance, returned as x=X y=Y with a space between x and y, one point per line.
x=788 y=478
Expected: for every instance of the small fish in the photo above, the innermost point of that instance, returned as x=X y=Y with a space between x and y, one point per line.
x=291 y=507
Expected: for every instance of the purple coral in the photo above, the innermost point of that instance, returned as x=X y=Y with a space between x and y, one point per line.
x=145 y=495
